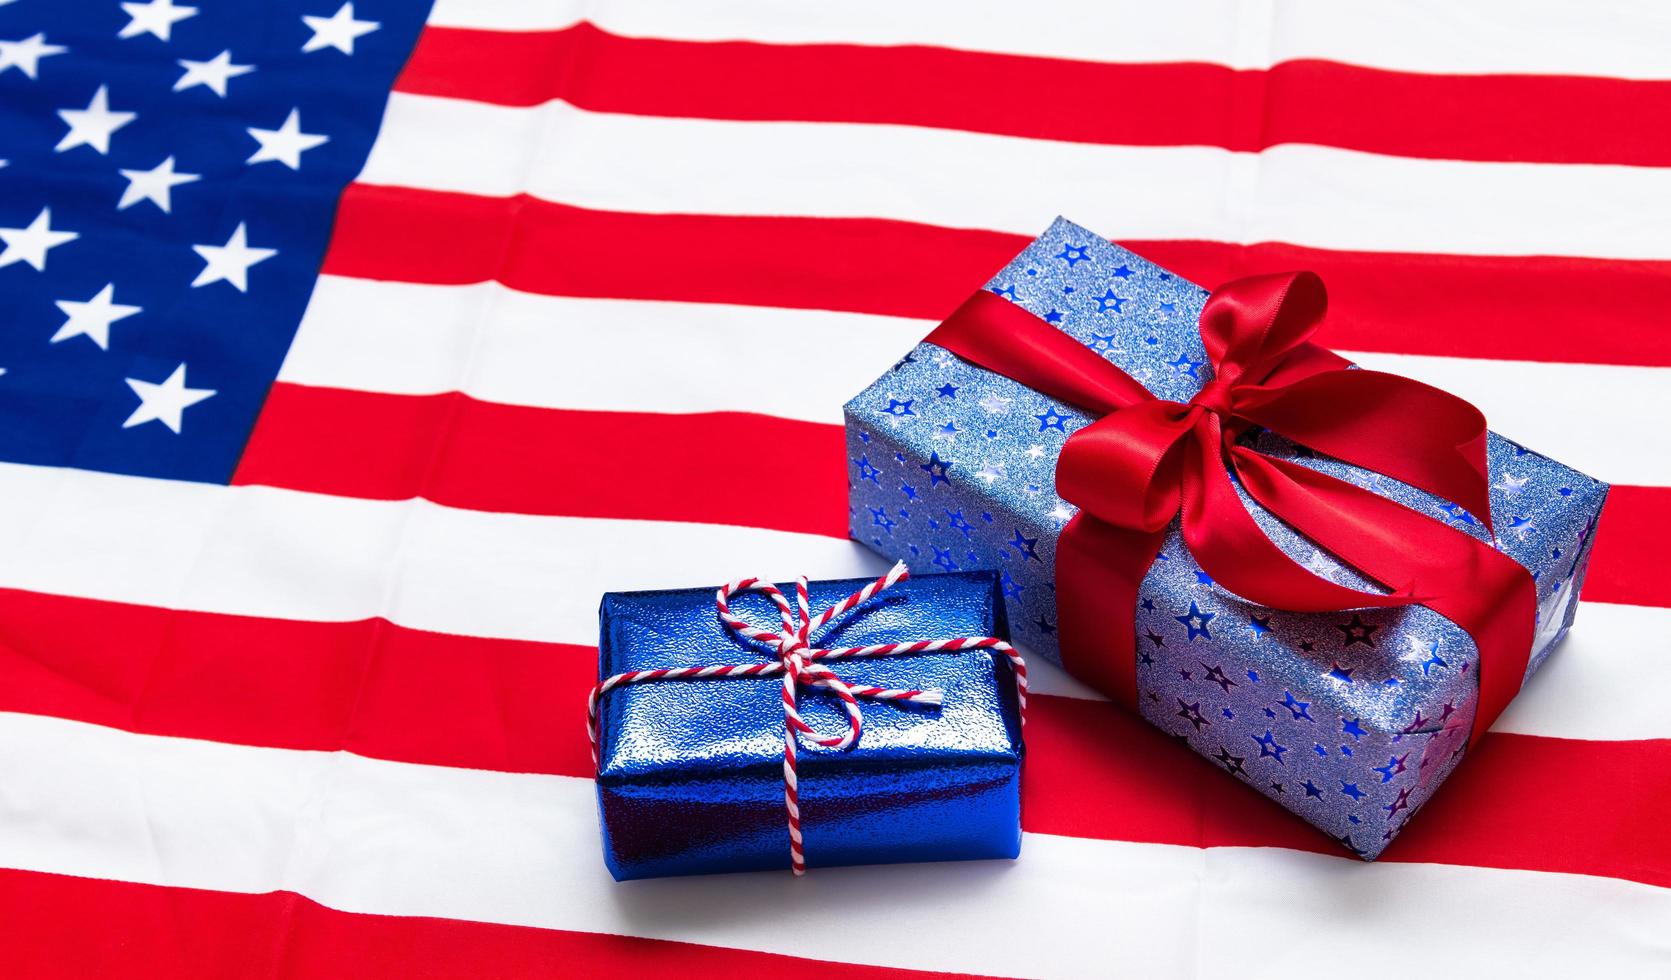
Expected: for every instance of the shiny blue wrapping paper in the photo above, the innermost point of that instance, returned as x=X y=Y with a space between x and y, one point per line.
x=690 y=776
x=1351 y=720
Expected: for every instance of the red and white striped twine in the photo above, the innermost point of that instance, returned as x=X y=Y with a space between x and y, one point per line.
x=798 y=662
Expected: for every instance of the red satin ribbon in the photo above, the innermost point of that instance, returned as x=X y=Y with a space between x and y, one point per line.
x=1145 y=461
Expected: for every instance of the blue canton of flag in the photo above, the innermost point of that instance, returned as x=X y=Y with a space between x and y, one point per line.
x=169 y=181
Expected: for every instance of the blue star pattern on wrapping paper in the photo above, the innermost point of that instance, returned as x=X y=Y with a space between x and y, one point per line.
x=1268 y=748
x=1215 y=674
x=1328 y=699
x=1299 y=709
x=1072 y=254
x=170 y=177
x=1394 y=766
x=1357 y=631
x=1231 y=763
x=1110 y=303
x=1433 y=658
x=1196 y=622
x=1051 y=419
x=1184 y=365
x=1024 y=546
x=936 y=469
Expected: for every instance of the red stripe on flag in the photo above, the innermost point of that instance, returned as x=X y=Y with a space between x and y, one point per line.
x=59 y=926
x=388 y=692
x=1533 y=118
x=1629 y=564
x=1516 y=308
x=1518 y=801
x=460 y=452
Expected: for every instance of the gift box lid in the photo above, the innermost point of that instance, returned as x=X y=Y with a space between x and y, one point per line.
x=683 y=730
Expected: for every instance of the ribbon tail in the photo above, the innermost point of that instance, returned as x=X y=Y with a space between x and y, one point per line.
x=1480 y=589
x=1099 y=568
x=1397 y=427
x=1231 y=547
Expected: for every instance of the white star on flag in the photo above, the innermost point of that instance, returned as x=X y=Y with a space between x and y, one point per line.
x=153 y=185
x=338 y=30
x=30 y=244
x=156 y=18
x=26 y=55
x=285 y=144
x=212 y=74
x=93 y=318
x=230 y=262
x=93 y=125
x=164 y=402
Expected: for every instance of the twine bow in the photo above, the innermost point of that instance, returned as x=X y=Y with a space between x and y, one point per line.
x=799 y=662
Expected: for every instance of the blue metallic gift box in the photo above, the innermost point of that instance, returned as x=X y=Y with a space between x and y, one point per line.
x=1351 y=720
x=690 y=774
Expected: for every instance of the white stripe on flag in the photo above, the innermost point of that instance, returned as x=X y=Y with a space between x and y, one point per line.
x=1484 y=36
x=1303 y=195
x=517 y=348
x=260 y=551
x=504 y=346
x=369 y=836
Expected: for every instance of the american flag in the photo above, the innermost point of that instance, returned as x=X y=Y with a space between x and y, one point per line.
x=351 y=349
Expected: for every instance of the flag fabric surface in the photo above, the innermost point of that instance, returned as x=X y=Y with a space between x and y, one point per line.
x=351 y=350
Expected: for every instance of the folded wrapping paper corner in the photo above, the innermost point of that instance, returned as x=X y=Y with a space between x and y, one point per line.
x=691 y=773
x=1252 y=687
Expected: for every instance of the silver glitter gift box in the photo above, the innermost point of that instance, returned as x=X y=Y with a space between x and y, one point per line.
x=1351 y=720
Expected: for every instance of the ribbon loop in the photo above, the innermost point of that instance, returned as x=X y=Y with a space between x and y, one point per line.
x=1391 y=425
x=1250 y=325
x=799 y=663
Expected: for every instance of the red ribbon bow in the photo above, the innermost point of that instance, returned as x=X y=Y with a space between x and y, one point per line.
x=1146 y=461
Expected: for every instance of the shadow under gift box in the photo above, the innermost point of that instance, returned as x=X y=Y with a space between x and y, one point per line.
x=690 y=776
x=1351 y=720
